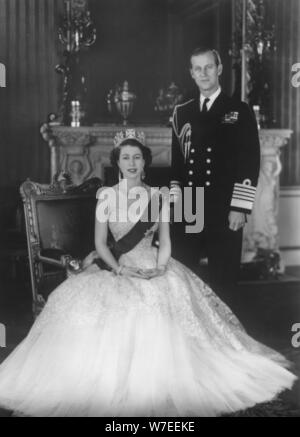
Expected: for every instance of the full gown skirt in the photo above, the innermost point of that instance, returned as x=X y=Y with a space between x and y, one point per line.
x=113 y=346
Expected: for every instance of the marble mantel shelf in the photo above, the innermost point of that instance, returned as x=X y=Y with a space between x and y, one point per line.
x=75 y=149
x=84 y=152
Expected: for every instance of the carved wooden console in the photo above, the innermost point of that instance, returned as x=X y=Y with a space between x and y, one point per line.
x=84 y=152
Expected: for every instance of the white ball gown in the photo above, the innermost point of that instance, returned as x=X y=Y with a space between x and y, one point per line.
x=115 y=346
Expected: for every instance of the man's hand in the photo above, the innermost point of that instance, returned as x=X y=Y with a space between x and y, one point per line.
x=175 y=193
x=237 y=220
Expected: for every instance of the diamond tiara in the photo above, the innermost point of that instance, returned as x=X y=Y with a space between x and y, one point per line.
x=129 y=134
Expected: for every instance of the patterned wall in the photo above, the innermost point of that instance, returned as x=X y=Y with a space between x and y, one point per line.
x=28 y=39
x=28 y=48
x=286 y=15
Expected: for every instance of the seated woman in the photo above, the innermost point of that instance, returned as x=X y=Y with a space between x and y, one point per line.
x=143 y=336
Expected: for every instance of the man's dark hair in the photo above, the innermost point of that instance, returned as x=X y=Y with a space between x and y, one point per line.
x=202 y=50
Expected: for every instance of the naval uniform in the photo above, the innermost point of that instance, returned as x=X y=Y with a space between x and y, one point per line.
x=216 y=147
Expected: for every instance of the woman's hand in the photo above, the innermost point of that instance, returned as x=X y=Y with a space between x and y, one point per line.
x=133 y=272
x=155 y=273
x=88 y=261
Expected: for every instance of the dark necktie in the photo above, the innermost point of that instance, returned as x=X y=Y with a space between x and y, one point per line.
x=204 y=107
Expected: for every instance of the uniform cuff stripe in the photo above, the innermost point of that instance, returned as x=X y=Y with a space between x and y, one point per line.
x=247 y=199
x=246 y=187
x=242 y=187
x=245 y=190
x=243 y=193
x=238 y=190
x=243 y=204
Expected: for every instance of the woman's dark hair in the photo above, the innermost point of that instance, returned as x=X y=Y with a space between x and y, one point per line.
x=146 y=152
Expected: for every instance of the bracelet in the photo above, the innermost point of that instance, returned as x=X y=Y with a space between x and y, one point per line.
x=162 y=267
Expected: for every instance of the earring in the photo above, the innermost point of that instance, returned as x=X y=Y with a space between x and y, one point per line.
x=143 y=175
x=120 y=176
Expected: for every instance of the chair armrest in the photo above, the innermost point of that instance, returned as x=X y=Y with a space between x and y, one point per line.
x=65 y=261
x=51 y=261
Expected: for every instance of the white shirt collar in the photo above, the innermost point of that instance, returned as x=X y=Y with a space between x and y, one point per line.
x=212 y=99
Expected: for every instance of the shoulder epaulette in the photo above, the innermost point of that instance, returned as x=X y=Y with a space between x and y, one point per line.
x=174 y=119
x=184 y=104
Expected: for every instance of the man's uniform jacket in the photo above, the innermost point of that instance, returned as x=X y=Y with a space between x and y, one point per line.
x=220 y=151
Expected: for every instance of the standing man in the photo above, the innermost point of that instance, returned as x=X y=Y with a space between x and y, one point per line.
x=215 y=146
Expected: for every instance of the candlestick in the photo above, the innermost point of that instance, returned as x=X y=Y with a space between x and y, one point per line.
x=75 y=33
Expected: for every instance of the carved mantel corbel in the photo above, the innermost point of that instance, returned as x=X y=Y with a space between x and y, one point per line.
x=262 y=230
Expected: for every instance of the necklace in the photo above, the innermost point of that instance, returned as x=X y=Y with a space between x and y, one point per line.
x=123 y=188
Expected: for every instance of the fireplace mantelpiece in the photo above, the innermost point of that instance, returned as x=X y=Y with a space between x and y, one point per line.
x=84 y=152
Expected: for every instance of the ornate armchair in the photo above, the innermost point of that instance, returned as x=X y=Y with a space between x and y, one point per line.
x=60 y=221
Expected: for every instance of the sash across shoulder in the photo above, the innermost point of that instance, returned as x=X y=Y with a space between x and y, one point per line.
x=134 y=236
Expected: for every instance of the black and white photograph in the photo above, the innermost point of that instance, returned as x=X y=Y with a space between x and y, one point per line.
x=149 y=211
